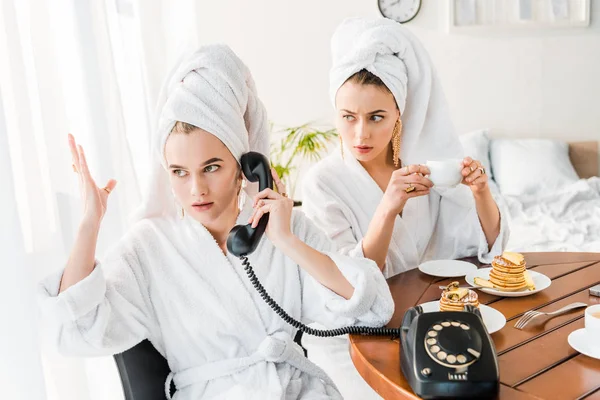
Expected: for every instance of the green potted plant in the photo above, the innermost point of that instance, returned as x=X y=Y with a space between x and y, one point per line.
x=306 y=142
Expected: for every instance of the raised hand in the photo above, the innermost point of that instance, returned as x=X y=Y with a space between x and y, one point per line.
x=94 y=198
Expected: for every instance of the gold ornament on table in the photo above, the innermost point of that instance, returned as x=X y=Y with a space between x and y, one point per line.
x=455 y=298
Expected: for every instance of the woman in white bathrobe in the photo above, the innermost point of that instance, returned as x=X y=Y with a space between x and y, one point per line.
x=373 y=196
x=171 y=279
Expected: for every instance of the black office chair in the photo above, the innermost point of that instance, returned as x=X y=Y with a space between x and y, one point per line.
x=143 y=372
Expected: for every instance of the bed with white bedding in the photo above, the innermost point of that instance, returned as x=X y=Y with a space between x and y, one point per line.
x=565 y=220
x=550 y=189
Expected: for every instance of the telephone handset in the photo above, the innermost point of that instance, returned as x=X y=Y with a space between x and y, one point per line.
x=243 y=240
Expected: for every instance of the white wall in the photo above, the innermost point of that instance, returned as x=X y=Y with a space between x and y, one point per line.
x=535 y=84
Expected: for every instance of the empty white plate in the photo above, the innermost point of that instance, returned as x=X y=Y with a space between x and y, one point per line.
x=493 y=319
x=541 y=282
x=583 y=342
x=447 y=268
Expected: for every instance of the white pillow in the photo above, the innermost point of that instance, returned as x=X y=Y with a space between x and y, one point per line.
x=477 y=146
x=531 y=166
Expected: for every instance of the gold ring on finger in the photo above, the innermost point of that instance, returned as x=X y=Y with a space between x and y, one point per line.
x=482 y=170
x=410 y=188
x=284 y=194
x=106 y=189
x=472 y=168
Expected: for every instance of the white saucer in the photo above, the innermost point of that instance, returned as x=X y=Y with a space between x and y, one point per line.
x=541 y=282
x=447 y=268
x=493 y=319
x=582 y=341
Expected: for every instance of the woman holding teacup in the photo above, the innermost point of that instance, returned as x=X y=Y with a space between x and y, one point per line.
x=377 y=196
x=389 y=193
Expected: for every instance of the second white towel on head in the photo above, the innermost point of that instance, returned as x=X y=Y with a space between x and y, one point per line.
x=392 y=53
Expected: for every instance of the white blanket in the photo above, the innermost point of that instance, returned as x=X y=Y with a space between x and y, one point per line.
x=565 y=220
x=168 y=281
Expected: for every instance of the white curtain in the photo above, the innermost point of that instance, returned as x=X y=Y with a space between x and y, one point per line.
x=92 y=68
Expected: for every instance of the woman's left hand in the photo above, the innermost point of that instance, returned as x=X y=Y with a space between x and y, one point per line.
x=279 y=206
x=474 y=175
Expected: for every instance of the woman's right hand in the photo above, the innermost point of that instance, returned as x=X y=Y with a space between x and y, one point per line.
x=94 y=198
x=396 y=195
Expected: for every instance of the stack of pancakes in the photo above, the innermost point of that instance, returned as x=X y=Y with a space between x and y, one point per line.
x=509 y=272
x=455 y=298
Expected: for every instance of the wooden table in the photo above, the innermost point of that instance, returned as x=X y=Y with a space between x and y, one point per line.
x=535 y=363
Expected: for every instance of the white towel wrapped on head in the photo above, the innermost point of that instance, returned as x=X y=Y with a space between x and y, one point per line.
x=213 y=90
x=392 y=53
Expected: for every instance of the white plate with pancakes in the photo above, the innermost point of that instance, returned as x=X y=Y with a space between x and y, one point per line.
x=541 y=282
x=493 y=319
x=447 y=268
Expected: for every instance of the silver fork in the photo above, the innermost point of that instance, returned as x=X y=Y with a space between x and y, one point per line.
x=530 y=315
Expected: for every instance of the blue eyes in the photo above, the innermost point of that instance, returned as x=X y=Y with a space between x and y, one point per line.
x=180 y=173
x=374 y=118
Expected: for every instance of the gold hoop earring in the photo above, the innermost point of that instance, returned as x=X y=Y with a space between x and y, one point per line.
x=396 y=134
x=341 y=145
x=182 y=215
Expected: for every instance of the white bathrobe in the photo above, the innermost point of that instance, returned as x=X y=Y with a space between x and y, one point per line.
x=341 y=198
x=168 y=281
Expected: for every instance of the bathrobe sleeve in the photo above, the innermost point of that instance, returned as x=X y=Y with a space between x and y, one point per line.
x=105 y=313
x=370 y=305
x=458 y=232
x=329 y=215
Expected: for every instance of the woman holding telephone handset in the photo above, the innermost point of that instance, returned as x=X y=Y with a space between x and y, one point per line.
x=391 y=193
x=171 y=279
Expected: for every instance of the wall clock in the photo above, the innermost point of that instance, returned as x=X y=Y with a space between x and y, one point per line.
x=399 y=10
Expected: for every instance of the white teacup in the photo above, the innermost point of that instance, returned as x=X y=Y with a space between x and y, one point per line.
x=592 y=322
x=445 y=173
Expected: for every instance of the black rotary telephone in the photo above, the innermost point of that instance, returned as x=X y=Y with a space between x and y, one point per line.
x=448 y=354
x=478 y=374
